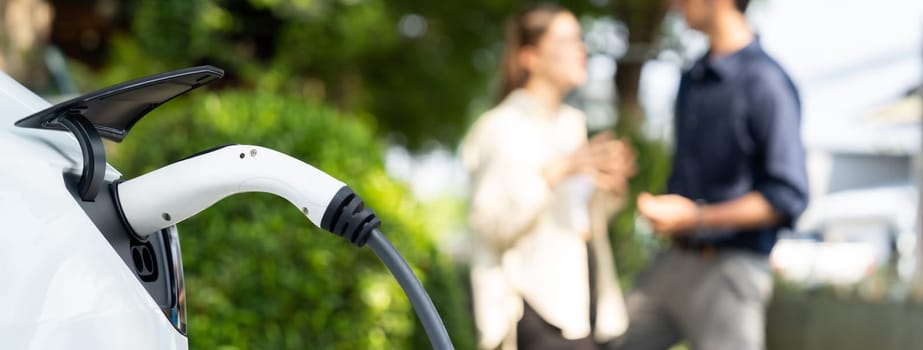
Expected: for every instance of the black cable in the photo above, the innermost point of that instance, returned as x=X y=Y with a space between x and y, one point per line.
x=348 y=217
x=426 y=311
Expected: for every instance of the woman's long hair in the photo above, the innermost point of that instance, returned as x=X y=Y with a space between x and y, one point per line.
x=524 y=29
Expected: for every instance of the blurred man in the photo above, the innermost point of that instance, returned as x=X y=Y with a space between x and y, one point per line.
x=738 y=177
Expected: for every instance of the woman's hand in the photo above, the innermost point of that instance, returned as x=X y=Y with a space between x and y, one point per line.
x=608 y=161
x=612 y=162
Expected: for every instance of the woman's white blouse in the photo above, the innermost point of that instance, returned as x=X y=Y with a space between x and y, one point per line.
x=529 y=239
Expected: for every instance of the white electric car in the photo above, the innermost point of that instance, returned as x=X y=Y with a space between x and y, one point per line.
x=89 y=260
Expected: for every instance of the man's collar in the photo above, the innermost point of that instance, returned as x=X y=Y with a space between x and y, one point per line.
x=726 y=66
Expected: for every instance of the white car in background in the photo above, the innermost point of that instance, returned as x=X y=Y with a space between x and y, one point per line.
x=855 y=233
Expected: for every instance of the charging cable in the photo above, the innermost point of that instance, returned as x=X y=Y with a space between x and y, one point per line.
x=169 y=195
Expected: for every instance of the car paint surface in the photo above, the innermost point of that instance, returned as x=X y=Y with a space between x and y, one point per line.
x=62 y=286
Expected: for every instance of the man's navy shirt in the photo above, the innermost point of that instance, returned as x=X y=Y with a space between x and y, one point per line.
x=737 y=131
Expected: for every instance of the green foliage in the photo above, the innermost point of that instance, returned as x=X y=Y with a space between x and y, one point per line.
x=632 y=250
x=258 y=274
x=421 y=85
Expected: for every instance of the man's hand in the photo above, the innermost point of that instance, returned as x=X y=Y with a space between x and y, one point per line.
x=669 y=214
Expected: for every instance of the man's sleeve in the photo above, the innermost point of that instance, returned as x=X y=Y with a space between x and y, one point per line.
x=775 y=125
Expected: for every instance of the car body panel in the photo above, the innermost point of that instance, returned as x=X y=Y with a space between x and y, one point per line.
x=64 y=287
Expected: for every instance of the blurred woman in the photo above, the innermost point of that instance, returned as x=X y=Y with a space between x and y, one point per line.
x=542 y=271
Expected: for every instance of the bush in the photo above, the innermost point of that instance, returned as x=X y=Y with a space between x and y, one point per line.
x=633 y=248
x=258 y=274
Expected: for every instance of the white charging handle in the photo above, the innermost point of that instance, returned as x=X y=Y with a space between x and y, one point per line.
x=171 y=194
